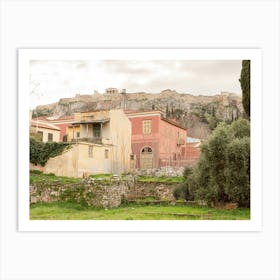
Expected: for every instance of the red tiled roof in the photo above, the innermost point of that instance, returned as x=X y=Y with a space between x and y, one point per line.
x=173 y=122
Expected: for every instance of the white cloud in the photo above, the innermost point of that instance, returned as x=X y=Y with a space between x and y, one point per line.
x=52 y=80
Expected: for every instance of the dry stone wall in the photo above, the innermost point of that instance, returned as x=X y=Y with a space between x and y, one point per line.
x=159 y=191
x=100 y=193
x=165 y=171
x=97 y=194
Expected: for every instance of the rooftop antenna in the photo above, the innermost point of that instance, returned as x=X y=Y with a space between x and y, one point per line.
x=123 y=93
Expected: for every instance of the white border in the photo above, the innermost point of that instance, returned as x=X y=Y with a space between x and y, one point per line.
x=254 y=224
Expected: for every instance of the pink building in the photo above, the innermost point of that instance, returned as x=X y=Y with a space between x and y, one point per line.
x=157 y=141
x=63 y=123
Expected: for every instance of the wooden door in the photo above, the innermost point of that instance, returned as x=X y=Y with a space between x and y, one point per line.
x=146 y=159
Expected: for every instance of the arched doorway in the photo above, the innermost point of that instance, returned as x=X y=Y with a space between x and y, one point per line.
x=146 y=158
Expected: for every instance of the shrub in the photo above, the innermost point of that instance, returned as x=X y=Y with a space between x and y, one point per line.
x=187 y=172
x=179 y=192
x=41 y=152
x=183 y=191
x=238 y=171
x=223 y=171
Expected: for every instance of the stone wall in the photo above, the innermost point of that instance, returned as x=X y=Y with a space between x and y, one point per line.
x=159 y=191
x=166 y=171
x=100 y=193
x=97 y=194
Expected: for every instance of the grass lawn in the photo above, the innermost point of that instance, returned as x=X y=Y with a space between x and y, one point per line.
x=37 y=177
x=72 y=211
x=150 y=179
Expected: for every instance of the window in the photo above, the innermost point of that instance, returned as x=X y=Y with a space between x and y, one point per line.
x=96 y=130
x=147 y=150
x=78 y=134
x=147 y=126
x=40 y=135
x=50 y=137
x=106 y=153
x=90 y=151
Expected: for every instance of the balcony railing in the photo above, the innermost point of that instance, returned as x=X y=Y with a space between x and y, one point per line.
x=94 y=140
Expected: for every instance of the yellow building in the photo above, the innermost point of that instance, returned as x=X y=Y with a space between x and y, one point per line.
x=73 y=132
x=103 y=145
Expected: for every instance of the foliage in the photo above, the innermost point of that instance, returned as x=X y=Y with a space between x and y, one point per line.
x=35 y=171
x=187 y=172
x=238 y=171
x=245 y=85
x=223 y=171
x=37 y=136
x=182 y=191
x=41 y=152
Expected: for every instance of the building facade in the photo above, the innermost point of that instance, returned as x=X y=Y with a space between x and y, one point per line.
x=61 y=122
x=101 y=143
x=47 y=132
x=157 y=141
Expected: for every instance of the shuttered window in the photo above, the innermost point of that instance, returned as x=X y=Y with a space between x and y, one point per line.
x=147 y=126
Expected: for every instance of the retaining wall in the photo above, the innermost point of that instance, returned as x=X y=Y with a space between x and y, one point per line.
x=101 y=194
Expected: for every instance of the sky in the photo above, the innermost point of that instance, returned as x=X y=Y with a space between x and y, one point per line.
x=51 y=80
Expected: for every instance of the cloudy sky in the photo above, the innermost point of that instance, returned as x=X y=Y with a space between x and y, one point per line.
x=52 y=80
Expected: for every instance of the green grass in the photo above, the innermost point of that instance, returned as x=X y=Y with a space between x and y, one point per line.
x=162 y=179
x=73 y=211
x=38 y=177
x=103 y=176
x=135 y=211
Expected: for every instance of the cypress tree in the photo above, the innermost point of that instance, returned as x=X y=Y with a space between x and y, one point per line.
x=245 y=85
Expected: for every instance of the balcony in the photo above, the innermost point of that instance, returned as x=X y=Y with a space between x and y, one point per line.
x=93 y=140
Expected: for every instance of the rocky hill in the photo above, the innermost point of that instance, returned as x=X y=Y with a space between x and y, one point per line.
x=199 y=114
